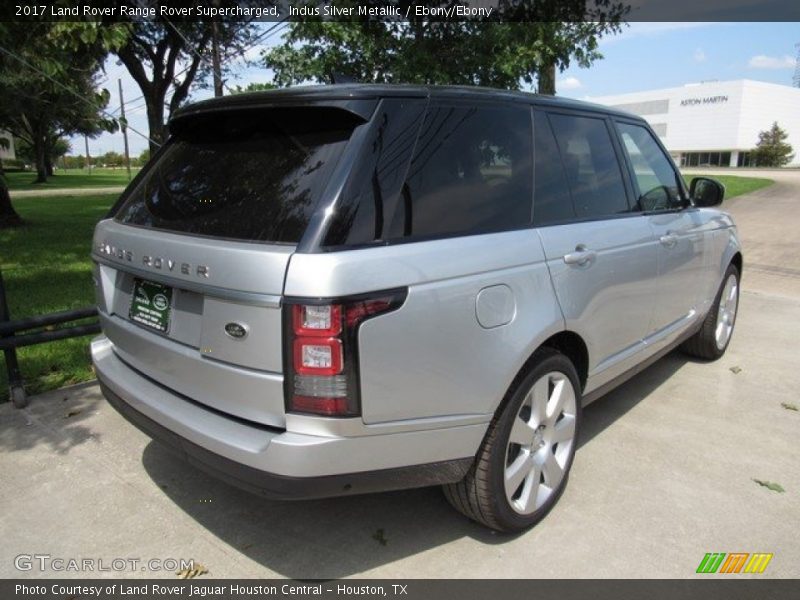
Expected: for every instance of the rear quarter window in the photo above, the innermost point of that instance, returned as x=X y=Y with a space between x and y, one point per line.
x=451 y=170
x=471 y=171
x=252 y=175
x=551 y=200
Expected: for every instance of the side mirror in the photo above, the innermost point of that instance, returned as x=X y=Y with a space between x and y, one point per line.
x=706 y=192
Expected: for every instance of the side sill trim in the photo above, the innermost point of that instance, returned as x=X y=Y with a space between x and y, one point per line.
x=634 y=370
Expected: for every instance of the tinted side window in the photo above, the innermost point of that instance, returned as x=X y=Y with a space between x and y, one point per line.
x=594 y=175
x=373 y=193
x=551 y=201
x=657 y=181
x=471 y=172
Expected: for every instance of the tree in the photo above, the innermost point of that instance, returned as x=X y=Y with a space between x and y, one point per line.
x=524 y=41
x=772 y=149
x=253 y=87
x=163 y=55
x=111 y=159
x=74 y=161
x=546 y=36
x=144 y=157
x=49 y=91
x=55 y=150
x=154 y=51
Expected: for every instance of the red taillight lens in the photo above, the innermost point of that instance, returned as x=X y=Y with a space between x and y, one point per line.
x=313 y=320
x=318 y=356
x=322 y=353
x=358 y=311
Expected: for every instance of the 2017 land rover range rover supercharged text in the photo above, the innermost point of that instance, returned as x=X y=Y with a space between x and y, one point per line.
x=347 y=289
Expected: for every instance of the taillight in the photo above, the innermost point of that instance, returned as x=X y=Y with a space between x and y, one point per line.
x=321 y=339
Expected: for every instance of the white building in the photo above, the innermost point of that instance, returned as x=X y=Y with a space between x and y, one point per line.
x=7 y=149
x=715 y=123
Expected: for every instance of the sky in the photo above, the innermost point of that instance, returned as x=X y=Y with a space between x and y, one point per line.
x=644 y=56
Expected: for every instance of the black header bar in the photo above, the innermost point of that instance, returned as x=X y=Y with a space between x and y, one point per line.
x=400 y=10
x=713 y=588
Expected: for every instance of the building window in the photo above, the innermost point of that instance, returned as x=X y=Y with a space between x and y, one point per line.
x=745 y=159
x=707 y=159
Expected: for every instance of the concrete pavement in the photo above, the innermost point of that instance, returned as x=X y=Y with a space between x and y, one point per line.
x=663 y=475
x=44 y=192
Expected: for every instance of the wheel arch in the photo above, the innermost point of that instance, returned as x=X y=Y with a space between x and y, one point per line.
x=568 y=343
x=571 y=345
x=737 y=261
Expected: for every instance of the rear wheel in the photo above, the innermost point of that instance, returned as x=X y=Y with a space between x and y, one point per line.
x=711 y=341
x=523 y=464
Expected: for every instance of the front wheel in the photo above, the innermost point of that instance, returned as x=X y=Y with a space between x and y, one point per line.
x=522 y=466
x=711 y=341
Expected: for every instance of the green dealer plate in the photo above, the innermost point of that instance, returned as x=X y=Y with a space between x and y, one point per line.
x=151 y=304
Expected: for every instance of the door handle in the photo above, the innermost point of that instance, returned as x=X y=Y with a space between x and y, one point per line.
x=580 y=257
x=669 y=240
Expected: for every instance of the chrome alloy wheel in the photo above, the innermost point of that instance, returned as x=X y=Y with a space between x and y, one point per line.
x=726 y=315
x=540 y=443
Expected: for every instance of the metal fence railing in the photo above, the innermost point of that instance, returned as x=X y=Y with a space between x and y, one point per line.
x=36 y=330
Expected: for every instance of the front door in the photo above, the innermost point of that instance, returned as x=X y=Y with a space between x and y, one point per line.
x=677 y=228
x=602 y=258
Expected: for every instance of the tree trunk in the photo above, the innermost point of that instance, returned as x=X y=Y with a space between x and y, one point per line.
x=41 y=161
x=155 y=123
x=8 y=216
x=547 y=79
x=48 y=165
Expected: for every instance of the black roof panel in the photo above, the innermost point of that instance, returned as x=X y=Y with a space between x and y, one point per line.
x=366 y=91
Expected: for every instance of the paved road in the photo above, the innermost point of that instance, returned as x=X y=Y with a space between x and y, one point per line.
x=768 y=223
x=664 y=473
x=44 y=192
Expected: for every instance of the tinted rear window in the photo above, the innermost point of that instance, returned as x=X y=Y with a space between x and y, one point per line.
x=254 y=175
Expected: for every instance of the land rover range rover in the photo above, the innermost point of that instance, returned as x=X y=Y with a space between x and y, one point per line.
x=346 y=289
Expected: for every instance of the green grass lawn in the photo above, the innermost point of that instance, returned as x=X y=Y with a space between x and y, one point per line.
x=734 y=185
x=73 y=178
x=46 y=268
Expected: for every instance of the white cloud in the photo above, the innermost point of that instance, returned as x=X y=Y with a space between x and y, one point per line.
x=568 y=83
x=699 y=55
x=762 y=61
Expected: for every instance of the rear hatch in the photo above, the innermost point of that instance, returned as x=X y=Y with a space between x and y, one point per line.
x=190 y=269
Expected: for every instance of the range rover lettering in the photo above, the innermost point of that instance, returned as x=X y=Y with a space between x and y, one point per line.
x=363 y=288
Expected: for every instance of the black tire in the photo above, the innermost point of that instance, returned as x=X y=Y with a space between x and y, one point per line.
x=703 y=344
x=481 y=494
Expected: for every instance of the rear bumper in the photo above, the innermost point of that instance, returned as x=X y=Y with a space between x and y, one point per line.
x=281 y=464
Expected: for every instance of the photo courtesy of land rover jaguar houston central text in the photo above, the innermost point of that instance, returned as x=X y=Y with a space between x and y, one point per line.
x=353 y=288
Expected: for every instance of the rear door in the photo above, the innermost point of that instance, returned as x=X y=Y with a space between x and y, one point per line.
x=191 y=268
x=601 y=254
x=677 y=227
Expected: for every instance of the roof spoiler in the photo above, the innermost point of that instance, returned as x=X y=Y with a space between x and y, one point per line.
x=360 y=108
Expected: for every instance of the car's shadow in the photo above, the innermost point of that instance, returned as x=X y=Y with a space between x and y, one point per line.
x=344 y=536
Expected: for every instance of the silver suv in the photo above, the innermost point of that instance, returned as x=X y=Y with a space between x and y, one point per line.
x=347 y=289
